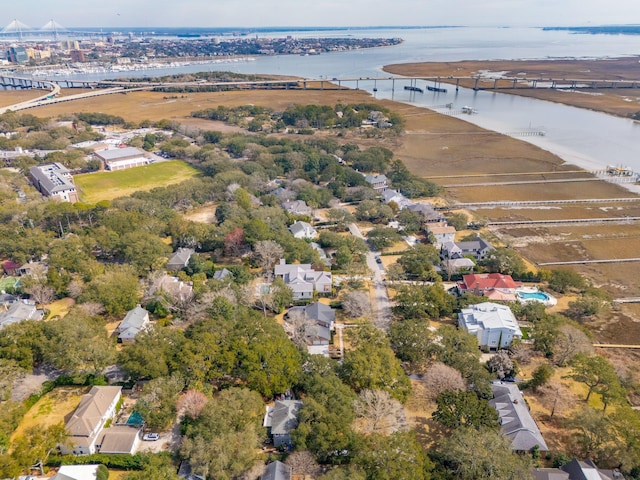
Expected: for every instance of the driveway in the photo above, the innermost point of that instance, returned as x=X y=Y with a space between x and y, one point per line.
x=168 y=441
x=383 y=307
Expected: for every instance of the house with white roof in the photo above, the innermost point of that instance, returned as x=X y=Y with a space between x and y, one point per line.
x=390 y=195
x=303 y=230
x=303 y=280
x=134 y=322
x=494 y=325
x=442 y=233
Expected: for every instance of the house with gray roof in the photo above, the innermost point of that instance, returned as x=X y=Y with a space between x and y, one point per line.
x=134 y=322
x=180 y=259
x=276 y=471
x=321 y=253
x=318 y=321
x=303 y=280
x=87 y=422
x=222 y=274
x=515 y=420
x=122 y=158
x=297 y=207
x=378 y=182
x=303 y=230
x=396 y=197
x=576 y=470
x=120 y=439
x=318 y=313
x=493 y=324
x=281 y=419
x=478 y=248
x=19 y=311
x=428 y=212
x=54 y=180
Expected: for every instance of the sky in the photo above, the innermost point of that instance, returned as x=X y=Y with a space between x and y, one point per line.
x=261 y=13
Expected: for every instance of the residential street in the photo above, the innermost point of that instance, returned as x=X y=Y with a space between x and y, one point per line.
x=382 y=309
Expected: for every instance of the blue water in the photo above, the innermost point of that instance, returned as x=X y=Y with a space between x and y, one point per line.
x=540 y=296
x=135 y=419
x=584 y=138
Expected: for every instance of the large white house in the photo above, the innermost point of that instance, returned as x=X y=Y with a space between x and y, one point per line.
x=87 y=422
x=494 y=325
x=303 y=230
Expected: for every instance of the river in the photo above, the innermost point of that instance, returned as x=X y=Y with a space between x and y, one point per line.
x=584 y=138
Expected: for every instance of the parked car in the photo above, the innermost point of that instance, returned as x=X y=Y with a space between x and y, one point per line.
x=151 y=437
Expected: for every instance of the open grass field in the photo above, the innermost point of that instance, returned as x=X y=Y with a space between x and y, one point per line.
x=617 y=102
x=94 y=187
x=51 y=409
x=558 y=212
x=539 y=191
x=137 y=106
x=60 y=308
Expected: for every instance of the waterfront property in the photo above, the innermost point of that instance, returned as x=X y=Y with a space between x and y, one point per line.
x=532 y=294
x=494 y=286
x=55 y=181
x=515 y=420
x=494 y=325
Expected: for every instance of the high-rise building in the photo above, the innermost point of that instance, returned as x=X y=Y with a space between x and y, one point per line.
x=17 y=55
x=77 y=56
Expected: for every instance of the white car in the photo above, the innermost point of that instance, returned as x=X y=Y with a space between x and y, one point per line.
x=151 y=437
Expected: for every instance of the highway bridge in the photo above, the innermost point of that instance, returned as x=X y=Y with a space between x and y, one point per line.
x=476 y=82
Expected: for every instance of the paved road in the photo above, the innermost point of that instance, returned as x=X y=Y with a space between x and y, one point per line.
x=382 y=311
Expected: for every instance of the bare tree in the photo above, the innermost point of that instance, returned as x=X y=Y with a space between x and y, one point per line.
x=296 y=327
x=449 y=267
x=304 y=463
x=377 y=412
x=267 y=253
x=41 y=294
x=75 y=288
x=441 y=378
x=191 y=403
x=569 y=342
x=502 y=365
x=356 y=304
x=92 y=308
x=557 y=398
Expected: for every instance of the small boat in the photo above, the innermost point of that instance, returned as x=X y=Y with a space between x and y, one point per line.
x=436 y=89
x=413 y=89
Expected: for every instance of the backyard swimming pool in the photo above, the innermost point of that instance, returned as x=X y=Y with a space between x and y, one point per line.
x=535 y=295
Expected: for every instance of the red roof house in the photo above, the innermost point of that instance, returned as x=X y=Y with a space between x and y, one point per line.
x=492 y=285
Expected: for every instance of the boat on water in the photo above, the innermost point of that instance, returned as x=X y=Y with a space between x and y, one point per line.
x=436 y=89
x=413 y=89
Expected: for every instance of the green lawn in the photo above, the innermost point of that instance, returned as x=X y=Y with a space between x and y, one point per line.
x=94 y=187
x=8 y=282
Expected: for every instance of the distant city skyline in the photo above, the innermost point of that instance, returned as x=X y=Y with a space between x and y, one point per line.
x=263 y=13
